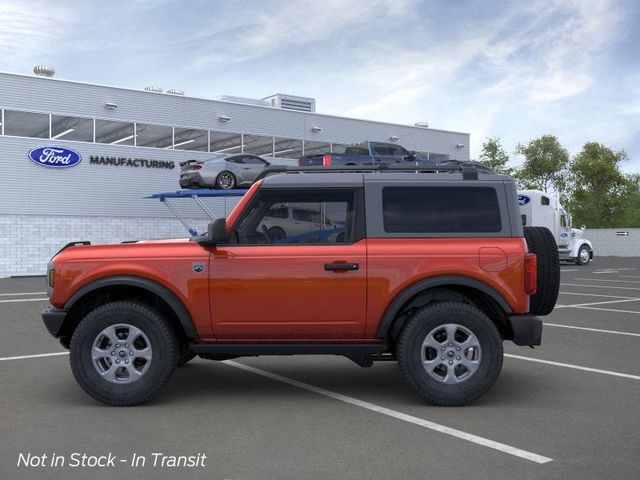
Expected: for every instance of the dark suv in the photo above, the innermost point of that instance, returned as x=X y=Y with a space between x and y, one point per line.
x=432 y=269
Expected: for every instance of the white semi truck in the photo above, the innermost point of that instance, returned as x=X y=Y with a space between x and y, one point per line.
x=539 y=209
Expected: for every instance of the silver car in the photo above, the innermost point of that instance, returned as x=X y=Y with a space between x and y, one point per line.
x=223 y=171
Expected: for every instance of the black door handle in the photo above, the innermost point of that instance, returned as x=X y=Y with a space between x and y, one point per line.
x=341 y=266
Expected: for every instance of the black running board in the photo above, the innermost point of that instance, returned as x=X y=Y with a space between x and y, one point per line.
x=255 y=349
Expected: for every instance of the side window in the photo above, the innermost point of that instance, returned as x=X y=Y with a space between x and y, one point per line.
x=441 y=210
x=235 y=160
x=544 y=200
x=382 y=150
x=317 y=217
x=251 y=160
x=278 y=211
x=305 y=215
x=396 y=151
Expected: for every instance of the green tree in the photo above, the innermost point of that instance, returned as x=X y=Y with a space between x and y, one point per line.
x=599 y=190
x=494 y=156
x=545 y=164
x=631 y=215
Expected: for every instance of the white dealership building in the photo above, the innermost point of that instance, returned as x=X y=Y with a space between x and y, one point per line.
x=126 y=144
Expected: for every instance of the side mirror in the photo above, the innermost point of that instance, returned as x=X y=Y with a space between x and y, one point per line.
x=583 y=227
x=216 y=233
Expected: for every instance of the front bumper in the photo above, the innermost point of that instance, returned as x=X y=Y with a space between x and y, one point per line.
x=53 y=319
x=527 y=330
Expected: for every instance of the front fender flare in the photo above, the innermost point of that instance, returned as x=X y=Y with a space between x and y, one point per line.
x=129 y=280
x=577 y=245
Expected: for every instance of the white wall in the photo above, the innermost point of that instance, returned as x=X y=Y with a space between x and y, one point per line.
x=46 y=234
x=607 y=242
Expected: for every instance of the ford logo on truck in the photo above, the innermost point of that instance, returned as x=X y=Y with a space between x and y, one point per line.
x=55 y=157
x=523 y=199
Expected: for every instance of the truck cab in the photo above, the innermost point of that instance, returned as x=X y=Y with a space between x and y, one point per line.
x=540 y=209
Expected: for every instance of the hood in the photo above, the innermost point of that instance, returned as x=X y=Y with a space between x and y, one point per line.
x=577 y=233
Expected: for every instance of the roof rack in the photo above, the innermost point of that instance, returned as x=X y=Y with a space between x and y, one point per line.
x=469 y=170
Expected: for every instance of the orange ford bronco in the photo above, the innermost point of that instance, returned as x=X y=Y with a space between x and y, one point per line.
x=431 y=269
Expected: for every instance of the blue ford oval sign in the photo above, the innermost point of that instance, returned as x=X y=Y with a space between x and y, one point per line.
x=55 y=157
x=523 y=199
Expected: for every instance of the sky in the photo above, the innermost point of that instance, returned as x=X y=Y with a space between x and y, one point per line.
x=513 y=70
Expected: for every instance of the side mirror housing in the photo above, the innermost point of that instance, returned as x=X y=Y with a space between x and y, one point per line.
x=583 y=227
x=216 y=233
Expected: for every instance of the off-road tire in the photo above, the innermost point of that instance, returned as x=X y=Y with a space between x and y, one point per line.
x=409 y=353
x=541 y=242
x=157 y=329
x=579 y=260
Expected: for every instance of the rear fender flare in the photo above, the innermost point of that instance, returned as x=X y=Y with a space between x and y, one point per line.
x=442 y=281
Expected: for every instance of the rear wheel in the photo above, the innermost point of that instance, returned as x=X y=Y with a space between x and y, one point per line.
x=225 y=180
x=450 y=353
x=123 y=353
x=541 y=242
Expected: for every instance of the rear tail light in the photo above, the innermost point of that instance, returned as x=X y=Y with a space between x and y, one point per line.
x=326 y=160
x=530 y=273
x=299 y=161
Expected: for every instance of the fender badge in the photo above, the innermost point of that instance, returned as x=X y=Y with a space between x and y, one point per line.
x=198 y=267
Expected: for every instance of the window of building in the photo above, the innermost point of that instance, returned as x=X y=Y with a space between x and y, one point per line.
x=225 y=143
x=440 y=210
x=26 y=124
x=316 y=148
x=158 y=136
x=438 y=157
x=287 y=148
x=190 y=139
x=115 y=133
x=297 y=217
x=71 y=128
x=258 y=145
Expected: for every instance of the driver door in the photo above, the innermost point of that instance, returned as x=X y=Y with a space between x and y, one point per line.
x=308 y=284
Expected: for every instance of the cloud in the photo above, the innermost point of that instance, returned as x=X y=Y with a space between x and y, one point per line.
x=29 y=29
x=289 y=24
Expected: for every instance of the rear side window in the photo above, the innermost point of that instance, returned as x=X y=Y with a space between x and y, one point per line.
x=441 y=210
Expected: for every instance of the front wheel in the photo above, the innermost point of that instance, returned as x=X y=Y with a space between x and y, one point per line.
x=584 y=255
x=123 y=353
x=450 y=353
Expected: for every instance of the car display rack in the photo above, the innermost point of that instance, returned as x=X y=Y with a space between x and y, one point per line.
x=196 y=195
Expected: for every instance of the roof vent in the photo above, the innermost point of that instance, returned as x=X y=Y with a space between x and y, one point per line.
x=44 y=71
x=175 y=91
x=153 y=88
x=291 y=102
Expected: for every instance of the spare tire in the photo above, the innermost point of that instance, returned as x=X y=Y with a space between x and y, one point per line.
x=541 y=242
